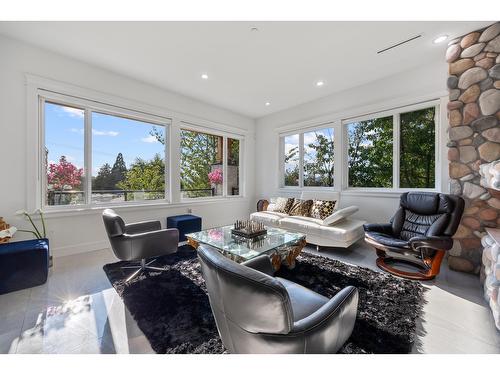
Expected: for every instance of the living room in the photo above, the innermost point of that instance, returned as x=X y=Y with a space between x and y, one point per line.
x=249 y=185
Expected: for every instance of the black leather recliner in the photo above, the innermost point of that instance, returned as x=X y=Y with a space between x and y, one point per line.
x=258 y=313
x=419 y=233
x=139 y=241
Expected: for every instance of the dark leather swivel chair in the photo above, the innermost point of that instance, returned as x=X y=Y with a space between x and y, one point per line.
x=419 y=233
x=139 y=241
x=258 y=313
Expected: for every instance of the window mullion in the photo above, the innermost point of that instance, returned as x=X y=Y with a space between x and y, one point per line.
x=396 y=137
x=225 y=155
x=301 y=160
x=166 y=159
x=88 y=156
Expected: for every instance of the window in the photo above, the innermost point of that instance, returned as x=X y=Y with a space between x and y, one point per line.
x=127 y=159
x=204 y=171
x=377 y=159
x=233 y=166
x=417 y=149
x=64 y=155
x=292 y=160
x=370 y=153
x=122 y=152
x=318 y=158
x=308 y=159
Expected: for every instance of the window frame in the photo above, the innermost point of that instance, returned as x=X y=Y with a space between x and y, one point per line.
x=34 y=136
x=184 y=125
x=300 y=133
x=90 y=107
x=396 y=147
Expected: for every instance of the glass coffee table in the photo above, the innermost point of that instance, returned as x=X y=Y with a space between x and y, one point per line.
x=282 y=246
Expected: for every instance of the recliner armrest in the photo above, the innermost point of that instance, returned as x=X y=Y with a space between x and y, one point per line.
x=433 y=242
x=343 y=305
x=143 y=226
x=261 y=263
x=385 y=228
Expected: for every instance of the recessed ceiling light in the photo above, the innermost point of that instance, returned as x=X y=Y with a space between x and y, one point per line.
x=320 y=83
x=267 y=104
x=440 y=39
x=204 y=76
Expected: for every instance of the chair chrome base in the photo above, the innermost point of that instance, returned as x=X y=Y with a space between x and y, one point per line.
x=143 y=266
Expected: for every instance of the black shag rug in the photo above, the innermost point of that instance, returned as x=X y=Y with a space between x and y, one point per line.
x=173 y=310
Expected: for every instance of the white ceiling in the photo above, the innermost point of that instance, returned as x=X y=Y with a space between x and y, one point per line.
x=279 y=63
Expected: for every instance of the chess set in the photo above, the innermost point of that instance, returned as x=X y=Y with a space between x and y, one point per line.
x=248 y=229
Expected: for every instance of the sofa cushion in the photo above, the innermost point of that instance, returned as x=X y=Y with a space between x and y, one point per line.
x=300 y=224
x=387 y=240
x=345 y=230
x=268 y=217
x=282 y=205
x=301 y=207
x=321 y=209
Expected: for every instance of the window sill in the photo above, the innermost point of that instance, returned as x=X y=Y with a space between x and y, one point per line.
x=355 y=192
x=387 y=193
x=75 y=211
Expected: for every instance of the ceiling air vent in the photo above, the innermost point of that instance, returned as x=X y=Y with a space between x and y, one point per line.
x=399 y=44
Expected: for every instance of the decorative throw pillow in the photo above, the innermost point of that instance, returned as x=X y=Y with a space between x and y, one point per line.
x=301 y=207
x=281 y=205
x=322 y=209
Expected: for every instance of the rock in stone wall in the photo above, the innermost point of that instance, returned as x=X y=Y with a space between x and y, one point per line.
x=474 y=138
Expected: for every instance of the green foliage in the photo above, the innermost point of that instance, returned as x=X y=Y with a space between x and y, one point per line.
x=319 y=162
x=104 y=179
x=146 y=175
x=198 y=154
x=118 y=171
x=370 y=153
x=417 y=163
x=292 y=167
x=234 y=151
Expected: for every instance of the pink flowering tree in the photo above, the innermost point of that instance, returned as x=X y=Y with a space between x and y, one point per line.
x=215 y=177
x=64 y=175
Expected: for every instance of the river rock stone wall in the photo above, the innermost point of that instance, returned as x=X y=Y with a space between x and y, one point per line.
x=474 y=138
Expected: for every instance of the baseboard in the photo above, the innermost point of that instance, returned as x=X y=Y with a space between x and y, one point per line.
x=78 y=249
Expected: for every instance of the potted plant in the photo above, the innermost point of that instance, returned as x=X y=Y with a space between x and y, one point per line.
x=39 y=234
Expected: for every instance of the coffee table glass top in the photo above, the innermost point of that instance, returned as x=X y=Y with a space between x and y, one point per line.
x=245 y=249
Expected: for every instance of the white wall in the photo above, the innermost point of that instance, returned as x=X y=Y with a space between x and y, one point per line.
x=85 y=232
x=424 y=83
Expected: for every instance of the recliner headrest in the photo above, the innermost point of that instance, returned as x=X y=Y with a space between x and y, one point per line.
x=114 y=224
x=424 y=203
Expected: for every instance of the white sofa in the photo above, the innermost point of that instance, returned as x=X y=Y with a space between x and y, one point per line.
x=342 y=233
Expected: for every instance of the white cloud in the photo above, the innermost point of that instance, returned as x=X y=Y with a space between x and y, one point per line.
x=75 y=130
x=74 y=112
x=149 y=139
x=109 y=133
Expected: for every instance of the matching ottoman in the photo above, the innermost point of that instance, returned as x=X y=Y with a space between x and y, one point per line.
x=23 y=264
x=185 y=224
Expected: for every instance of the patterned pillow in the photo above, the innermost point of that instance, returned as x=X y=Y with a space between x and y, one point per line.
x=281 y=205
x=322 y=209
x=301 y=207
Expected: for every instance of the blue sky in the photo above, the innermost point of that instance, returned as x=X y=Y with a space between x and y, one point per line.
x=110 y=135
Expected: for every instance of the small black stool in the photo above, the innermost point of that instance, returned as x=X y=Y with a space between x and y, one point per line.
x=185 y=224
